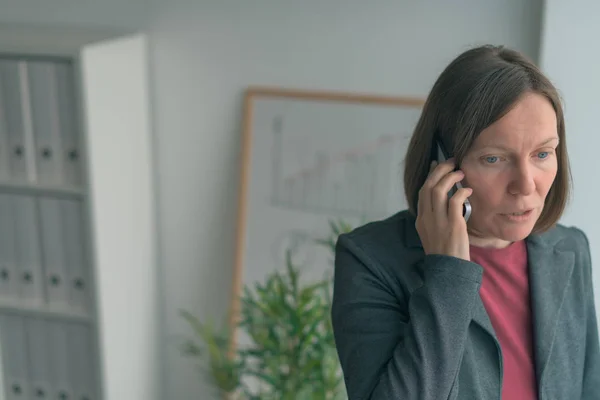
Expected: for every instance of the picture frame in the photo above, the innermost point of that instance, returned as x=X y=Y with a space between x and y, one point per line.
x=310 y=157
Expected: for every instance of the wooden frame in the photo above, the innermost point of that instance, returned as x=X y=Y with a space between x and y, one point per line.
x=251 y=97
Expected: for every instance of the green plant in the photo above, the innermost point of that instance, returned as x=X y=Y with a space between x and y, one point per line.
x=289 y=352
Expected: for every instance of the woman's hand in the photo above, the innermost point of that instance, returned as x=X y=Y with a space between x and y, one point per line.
x=440 y=222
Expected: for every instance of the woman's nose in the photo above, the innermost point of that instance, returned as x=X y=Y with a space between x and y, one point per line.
x=523 y=182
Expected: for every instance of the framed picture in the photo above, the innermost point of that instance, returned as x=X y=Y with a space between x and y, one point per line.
x=310 y=161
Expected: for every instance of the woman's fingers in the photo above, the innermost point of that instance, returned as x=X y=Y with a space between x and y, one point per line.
x=438 y=221
x=455 y=206
x=433 y=194
x=439 y=197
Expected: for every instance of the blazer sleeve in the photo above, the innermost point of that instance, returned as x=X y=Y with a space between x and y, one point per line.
x=591 y=372
x=393 y=347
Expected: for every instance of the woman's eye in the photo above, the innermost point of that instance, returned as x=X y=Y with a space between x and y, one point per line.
x=491 y=159
x=543 y=154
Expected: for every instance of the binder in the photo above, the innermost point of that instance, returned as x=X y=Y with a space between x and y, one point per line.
x=68 y=112
x=14 y=357
x=46 y=125
x=3 y=384
x=4 y=143
x=81 y=359
x=29 y=267
x=40 y=365
x=12 y=81
x=9 y=290
x=78 y=271
x=53 y=254
x=60 y=347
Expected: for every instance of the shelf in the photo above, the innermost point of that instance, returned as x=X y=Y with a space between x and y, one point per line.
x=44 y=311
x=37 y=189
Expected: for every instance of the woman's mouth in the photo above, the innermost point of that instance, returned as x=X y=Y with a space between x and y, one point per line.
x=519 y=216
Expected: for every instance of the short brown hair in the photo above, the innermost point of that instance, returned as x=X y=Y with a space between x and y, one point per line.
x=476 y=89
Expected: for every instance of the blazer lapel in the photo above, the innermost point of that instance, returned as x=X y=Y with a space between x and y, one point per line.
x=550 y=269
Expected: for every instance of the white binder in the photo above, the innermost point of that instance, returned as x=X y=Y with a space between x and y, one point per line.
x=68 y=111
x=4 y=143
x=13 y=80
x=40 y=363
x=52 y=234
x=9 y=289
x=77 y=269
x=81 y=361
x=60 y=348
x=14 y=354
x=43 y=94
x=29 y=266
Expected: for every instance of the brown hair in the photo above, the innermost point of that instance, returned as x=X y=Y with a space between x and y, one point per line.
x=476 y=89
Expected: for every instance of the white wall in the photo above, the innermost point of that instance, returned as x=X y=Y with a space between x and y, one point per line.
x=569 y=57
x=203 y=56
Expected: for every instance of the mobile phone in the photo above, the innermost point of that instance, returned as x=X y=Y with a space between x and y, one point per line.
x=442 y=155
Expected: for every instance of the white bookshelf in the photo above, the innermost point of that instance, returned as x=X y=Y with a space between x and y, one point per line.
x=98 y=338
x=47 y=298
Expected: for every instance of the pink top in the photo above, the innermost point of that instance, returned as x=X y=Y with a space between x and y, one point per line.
x=505 y=295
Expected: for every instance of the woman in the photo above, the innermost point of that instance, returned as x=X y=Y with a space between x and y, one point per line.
x=428 y=305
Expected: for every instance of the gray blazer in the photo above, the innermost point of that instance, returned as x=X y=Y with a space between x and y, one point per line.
x=409 y=326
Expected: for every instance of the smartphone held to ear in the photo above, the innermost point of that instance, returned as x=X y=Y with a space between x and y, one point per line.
x=442 y=156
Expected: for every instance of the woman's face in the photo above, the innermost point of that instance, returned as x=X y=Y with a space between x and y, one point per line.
x=511 y=167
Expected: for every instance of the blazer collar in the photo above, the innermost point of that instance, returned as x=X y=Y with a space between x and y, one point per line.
x=550 y=268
